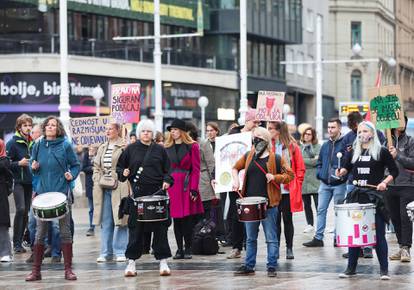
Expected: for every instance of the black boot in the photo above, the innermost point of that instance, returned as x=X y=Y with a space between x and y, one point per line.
x=179 y=255
x=187 y=254
x=289 y=254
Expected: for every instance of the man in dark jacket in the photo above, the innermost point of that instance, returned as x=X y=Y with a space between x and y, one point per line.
x=401 y=192
x=18 y=150
x=331 y=186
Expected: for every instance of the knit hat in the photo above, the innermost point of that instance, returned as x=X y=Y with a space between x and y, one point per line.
x=250 y=115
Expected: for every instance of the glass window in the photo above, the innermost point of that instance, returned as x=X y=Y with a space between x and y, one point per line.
x=268 y=60
x=255 y=59
x=355 y=33
x=309 y=20
x=262 y=59
x=289 y=58
x=356 y=85
x=300 y=66
x=310 y=67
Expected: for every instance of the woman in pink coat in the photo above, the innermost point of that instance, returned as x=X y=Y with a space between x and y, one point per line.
x=185 y=201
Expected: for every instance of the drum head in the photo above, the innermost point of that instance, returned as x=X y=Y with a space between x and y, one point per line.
x=148 y=198
x=252 y=200
x=410 y=205
x=48 y=199
x=353 y=206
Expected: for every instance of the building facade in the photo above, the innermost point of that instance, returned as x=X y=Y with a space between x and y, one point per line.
x=371 y=25
x=192 y=67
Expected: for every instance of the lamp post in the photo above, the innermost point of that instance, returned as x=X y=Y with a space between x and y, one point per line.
x=97 y=94
x=243 y=62
x=203 y=103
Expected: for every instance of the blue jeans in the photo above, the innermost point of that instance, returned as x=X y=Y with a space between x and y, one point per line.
x=32 y=227
x=381 y=248
x=270 y=230
x=114 y=239
x=90 y=204
x=325 y=194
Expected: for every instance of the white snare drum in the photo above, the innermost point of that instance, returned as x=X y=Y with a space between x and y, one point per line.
x=50 y=206
x=410 y=210
x=355 y=225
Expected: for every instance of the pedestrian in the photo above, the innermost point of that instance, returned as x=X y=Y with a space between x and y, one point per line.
x=257 y=183
x=401 y=191
x=367 y=161
x=237 y=228
x=6 y=182
x=185 y=201
x=18 y=150
x=159 y=138
x=87 y=168
x=132 y=137
x=56 y=165
x=310 y=152
x=331 y=186
x=285 y=145
x=107 y=195
x=146 y=165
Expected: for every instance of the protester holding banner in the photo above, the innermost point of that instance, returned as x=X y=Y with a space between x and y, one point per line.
x=56 y=165
x=146 y=165
x=285 y=145
x=107 y=195
x=367 y=163
x=184 y=154
x=310 y=152
x=401 y=191
x=259 y=160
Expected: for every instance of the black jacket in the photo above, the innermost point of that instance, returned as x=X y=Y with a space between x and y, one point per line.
x=17 y=148
x=5 y=177
x=405 y=160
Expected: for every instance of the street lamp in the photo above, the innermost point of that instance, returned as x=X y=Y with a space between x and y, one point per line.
x=203 y=103
x=97 y=94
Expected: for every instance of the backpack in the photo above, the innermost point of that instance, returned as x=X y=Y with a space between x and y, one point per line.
x=204 y=238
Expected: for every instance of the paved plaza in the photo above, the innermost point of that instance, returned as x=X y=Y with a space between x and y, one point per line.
x=312 y=268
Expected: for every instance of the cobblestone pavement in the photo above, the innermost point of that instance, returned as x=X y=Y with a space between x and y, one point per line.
x=312 y=268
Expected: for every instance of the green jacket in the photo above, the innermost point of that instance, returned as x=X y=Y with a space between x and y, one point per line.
x=310 y=155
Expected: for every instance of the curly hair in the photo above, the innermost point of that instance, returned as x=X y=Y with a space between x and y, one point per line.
x=60 y=130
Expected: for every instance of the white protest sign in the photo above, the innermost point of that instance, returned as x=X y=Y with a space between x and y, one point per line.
x=270 y=106
x=88 y=131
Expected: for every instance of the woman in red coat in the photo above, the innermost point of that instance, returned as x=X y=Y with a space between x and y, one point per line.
x=185 y=201
x=285 y=145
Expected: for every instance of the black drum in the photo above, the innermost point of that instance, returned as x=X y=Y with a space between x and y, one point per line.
x=152 y=208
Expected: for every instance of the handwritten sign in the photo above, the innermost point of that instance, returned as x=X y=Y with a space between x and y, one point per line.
x=88 y=131
x=125 y=103
x=386 y=107
x=270 y=106
x=228 y=150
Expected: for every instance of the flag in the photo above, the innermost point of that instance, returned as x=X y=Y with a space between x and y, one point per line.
x=377 y=85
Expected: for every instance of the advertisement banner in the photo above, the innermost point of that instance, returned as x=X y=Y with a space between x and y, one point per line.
x=229 y=149
x=270 y=106
x=89 y=131
x=125 y=103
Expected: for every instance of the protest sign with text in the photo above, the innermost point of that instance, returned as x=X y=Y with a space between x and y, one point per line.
x=125 y=102
x=270 y=106
x=89 y=131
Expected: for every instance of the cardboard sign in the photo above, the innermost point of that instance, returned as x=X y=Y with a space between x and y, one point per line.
x=125 y=103
x=229 y=149
x=88 y=131
x=270 y=106
x=386 y=107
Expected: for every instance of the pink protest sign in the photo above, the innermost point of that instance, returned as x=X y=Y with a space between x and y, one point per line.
x=270 y=106
x=125 y=102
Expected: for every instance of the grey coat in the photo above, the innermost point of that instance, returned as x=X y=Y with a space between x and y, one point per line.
x=310 y=155
x=207 y=164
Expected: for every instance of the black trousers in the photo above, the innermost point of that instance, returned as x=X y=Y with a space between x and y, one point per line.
x=307 y=204
x=396 y=200
x=237 y=228
x=284 y=211
x=160 y=242
x=183 y=230
x=224 y=225
x=22 y=198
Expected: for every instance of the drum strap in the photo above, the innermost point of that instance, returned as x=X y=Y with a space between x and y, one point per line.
x=265 y=172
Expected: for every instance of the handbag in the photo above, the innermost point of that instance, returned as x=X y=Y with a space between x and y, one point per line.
x=107 y=181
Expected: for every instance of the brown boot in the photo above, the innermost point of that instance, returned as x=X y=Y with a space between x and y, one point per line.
x=37 y=262
x=67 y=256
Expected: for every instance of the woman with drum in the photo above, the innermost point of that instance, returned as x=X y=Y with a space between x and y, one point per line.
x=184 y=155
x=285 y=145
x=55 y=164
x=146 y=165
x=107 y=195
x=264 y=172
x=367 y=162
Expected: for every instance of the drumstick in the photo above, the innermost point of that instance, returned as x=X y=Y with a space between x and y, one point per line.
x=239 y=193
x=366 y=185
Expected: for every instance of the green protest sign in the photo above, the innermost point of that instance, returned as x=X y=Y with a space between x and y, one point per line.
x=386 y=107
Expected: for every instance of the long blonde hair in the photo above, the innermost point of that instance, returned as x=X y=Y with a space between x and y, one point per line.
x=374 y=148
x=185 y=137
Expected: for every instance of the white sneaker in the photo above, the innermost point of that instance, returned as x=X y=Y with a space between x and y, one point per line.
x=164 y=269
x=330 y=230
x=6 y=259
x=130 y=270
x=121 y=259
x=101 y=259
x=308 y=229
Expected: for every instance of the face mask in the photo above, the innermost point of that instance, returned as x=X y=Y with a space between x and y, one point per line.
x=364 y=139
x=260 y=145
